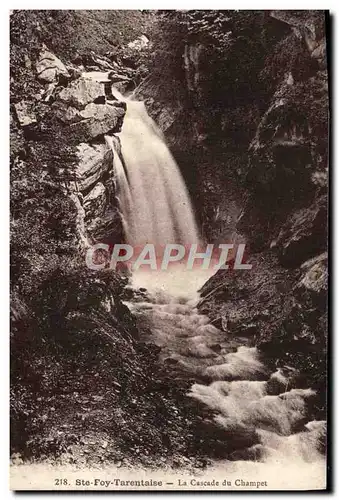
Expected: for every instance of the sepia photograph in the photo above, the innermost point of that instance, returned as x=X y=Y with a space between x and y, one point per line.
x=169 y=204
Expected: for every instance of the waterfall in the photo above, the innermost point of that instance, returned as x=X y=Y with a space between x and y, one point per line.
x=154 y=200
x=260 y=419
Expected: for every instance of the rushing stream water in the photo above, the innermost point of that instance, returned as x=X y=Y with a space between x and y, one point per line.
x=231 y=379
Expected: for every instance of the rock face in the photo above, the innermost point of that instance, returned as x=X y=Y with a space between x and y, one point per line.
x=95 y=181
x=49 y=68
x=68 y=100
x=79 y=108
x=281 y=304
x=250 y=303
x=305 y=233
x=82 y=107
x=96 y=120
x=81 y=92
x=94 y=161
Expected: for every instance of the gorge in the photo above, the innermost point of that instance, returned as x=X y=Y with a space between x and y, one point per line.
x=184 y=371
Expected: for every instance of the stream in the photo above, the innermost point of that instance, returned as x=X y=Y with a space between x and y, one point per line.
x=256 y=408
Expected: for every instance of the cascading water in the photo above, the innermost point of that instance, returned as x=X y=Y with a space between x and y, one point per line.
x=154 y=201
x=231 y=380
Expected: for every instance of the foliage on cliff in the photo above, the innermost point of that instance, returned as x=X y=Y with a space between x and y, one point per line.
x=79 y=374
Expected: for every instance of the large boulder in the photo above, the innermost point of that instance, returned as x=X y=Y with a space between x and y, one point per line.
x=82 y=92
x=49 y=68
x=25 y=113
x=97 y=120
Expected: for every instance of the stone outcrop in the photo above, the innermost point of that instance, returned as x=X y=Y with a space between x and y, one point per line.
x=25 y=114
x=68 y=100
x=249 y=303
x=80 y=108
x=81 y=92
x=309 y=26
x=304 y=234
x=95 y=182
x=94 y=162
x=49 y=68
x=95 y=200
x=96 y=120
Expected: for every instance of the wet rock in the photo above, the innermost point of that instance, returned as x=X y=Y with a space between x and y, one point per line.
x=304 y=234
x=25 y=114
x=74 y=71
x=124 y=85
x=215 y=347
x=96 y=76
x=97 y=120
x=81 y=92
x=114 y=77
x=256 y=453
x=222 y=442
x=103 y=63
x=171 y=361
x=107 y=228
x=94 y=161
x=319 y=431
x=95 y=202
x=49 y=68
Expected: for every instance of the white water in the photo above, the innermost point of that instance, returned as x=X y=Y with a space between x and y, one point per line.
x=153 y=197
x=243 y=396
x=231 y=379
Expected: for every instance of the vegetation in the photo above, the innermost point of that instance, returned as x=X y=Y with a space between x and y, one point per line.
x=78 y=368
